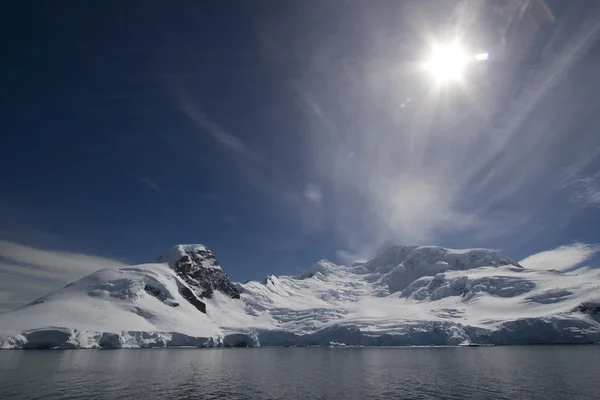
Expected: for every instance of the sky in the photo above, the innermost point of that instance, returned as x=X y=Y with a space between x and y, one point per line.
x=279 y=133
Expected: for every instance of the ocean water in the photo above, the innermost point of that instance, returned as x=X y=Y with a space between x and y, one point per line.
x=513 y=372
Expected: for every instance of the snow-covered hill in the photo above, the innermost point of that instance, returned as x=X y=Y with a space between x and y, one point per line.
x=408 y=295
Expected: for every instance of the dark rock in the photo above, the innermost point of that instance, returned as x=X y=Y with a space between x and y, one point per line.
x=156 y=292
x=589 y=308
x=152 y=290
x=189 y=296
x=38 y=301
x=200 y=270
x=197 y=266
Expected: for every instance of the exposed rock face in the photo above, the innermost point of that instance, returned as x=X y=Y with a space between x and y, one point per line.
x=189 y=296
x=206 y=280
x=156 y=292
x=198 y=267
x=589 y=307
x=447 y=297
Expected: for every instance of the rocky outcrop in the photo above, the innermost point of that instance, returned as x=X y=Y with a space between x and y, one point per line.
x=198 y=267
x=589 y=307
x=446 y=303
x=156 y=292
x=207 y=280
x=189 y=296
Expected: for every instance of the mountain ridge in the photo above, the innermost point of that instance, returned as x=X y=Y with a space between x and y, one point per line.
x=407 y=295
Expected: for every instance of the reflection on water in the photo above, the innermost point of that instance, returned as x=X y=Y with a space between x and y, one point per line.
x=520 y=372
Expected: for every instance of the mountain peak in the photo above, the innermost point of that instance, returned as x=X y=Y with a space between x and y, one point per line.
x=322 y=266
x=408 y=295
x=198 y=255
x=431 y=255
x=198 y=267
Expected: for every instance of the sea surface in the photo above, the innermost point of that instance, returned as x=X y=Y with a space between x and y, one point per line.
x=513 y=372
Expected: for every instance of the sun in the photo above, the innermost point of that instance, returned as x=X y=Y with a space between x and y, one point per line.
x=447 y=62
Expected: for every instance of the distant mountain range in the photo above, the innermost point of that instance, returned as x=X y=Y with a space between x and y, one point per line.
x=408 y=295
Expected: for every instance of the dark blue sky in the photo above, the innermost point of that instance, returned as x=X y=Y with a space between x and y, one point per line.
x=280 y=132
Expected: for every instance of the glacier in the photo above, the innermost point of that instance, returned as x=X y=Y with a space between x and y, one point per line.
x=408 y=295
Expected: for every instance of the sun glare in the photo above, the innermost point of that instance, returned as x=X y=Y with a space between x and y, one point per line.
x=482 y=56
x=447 y=62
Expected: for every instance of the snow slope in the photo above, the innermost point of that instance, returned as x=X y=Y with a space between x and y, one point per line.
x=408 y=295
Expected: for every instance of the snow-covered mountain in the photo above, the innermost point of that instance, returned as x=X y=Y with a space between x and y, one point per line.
x=409 y=295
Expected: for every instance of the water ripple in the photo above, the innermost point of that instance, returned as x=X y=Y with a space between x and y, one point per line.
x=532 y=372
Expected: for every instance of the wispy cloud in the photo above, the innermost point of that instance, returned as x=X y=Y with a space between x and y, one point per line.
x=27 y=272
x=197 y=116
x=266 y=174
x=389 y=157
x=56 y=261
x=466 y=163
x=257 y=172
x=562 y=258
x=585 y=189
x=23 y=234
x=349 y=258
x=313 y=194
x=150 y=184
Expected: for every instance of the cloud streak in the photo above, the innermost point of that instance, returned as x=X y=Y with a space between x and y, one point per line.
x=246 y=160
x=192 y=110
x=562 y=258
x=150 y=184
x=585 y=189
x=268 y=176
x=27 y=272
